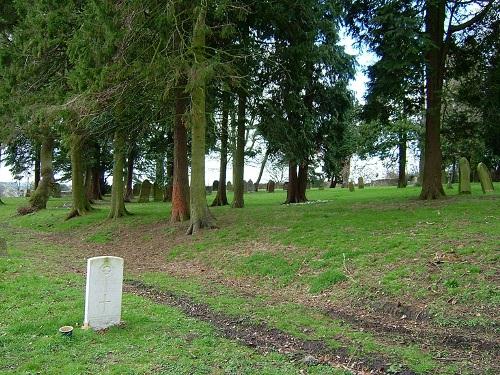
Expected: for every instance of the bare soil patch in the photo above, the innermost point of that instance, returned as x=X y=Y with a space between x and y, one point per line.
x=265 y=339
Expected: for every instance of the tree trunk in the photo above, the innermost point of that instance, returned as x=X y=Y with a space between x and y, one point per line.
x=88 y=184
x=333 y=182
x=180 y=183
x=37 y=165
x=40 y=196
x=297 y=183
x=302 y=182
x=81 y=204
x=200 y=215
x=221 y=197
x=453 y=172
x=262 y=166
x=95 y=184
x=117 y=191
x=167 y=196
x=432 y=187
x=239 y=154
x=129 y=193
x=346 y=171
x=291 y=194
x=402 y=160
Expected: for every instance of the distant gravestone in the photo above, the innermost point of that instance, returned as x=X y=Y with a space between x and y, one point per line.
x=215 y=185
x=55 y=190
x=145 y=192
x=103 y=294
x=485 y=178
x=157 y=192
x=136 y=190
x=229 y=186
x=249 y=188
x=464 y=178
x=3 y=247
x=351 y=186
x=270 y=186
x=361 y=183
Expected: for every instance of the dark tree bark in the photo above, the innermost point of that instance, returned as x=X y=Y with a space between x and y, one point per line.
x=167 y=196
x=297 y=183
x=239 y=153
x=262 y=166
x=346 y=171
x=302 y=182
x=221 y=197
x=333 y=182
x=117 y=192
x=40 y=196
x=81 y=204
x=432 y=187
x=103 y=186
x=95 y=186
x=402 y=160
x=88 y=184
x=37 y=165
x=95 y=190
x=453 y=177
x=129 y=194
x=180 y=182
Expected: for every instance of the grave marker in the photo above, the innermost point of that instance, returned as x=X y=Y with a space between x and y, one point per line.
x=157 y=192
x=484 y=177
x=464 y=179
x=103 y=294
x=145 y=192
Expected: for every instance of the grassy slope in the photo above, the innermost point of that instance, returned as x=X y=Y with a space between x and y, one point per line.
x=370 y=244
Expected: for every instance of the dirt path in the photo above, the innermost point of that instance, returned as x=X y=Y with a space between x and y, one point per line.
x=265 y=339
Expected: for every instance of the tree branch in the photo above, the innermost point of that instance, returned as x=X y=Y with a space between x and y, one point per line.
x=478 y=17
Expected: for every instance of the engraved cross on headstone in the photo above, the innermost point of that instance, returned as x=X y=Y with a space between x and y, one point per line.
x=103 y=297
x=104 y=302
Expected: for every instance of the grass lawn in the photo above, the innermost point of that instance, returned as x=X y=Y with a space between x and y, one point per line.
x=375 y=274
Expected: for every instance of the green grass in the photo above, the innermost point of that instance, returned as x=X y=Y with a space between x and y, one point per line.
x=326 y=280
x=360 y=246
x=154 y=338
x=269 y=265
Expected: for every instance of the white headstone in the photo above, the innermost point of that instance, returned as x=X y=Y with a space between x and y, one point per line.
x=103 y=295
